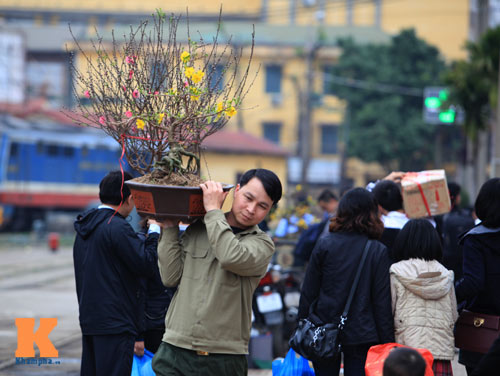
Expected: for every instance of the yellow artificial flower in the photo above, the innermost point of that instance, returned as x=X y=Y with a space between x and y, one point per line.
x=197 y=77
x=160 y=117
x=195 y=97
x=140 y=123
x=185 y=56
x=189 y=72
x=298 y=187
x=231 y=111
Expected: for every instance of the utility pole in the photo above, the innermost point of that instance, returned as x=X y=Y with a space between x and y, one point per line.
x=306 y=113
x=476 y=150
x=345 y=147
x=483 y=135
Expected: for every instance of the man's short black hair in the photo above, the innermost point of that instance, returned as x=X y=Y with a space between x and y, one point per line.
x=388 y=195
x=404 y=361
x=417 y=239
x=487 y=204
x=326 y=196
x=110 y=188
x=271 y=182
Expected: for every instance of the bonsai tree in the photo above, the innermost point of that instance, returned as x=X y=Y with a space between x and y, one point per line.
x=159 y=96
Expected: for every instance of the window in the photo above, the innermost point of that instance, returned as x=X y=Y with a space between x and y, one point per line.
x=52 y=150
x=14 y=149
x=272 y=132
x=48 y=78
x=68 y=151
x=158 y=81
x=329 y=139
x=40 y=147
x=273 y=79
x=327 y=80
x=216 y=78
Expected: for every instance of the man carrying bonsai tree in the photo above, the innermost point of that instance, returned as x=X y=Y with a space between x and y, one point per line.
x=216 y=266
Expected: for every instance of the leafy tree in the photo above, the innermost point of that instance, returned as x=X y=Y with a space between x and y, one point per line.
x=385 y=112
x=473 y=82
x=474 y=86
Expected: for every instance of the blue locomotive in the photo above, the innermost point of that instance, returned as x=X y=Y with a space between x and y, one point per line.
x=46 y=165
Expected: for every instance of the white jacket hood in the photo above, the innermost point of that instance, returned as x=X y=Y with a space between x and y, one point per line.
x=427 y=279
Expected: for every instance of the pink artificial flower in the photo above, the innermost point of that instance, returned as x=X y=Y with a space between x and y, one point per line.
x=157 y=92
x=87 y=94
x=130 y=74
x=128 y=114
x=186 y=84
x=130 y=60
x=102 y=120
x=135 y=93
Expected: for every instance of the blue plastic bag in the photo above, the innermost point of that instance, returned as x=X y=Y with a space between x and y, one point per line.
x=292 y=365
x=141 y=365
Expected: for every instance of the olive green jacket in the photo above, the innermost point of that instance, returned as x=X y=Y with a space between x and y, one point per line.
x=216 y=273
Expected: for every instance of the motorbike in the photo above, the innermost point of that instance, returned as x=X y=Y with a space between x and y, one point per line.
x=268 y=308
x=276 y=304
x=292 y=280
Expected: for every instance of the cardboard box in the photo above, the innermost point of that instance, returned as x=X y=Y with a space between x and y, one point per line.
x=425 y=193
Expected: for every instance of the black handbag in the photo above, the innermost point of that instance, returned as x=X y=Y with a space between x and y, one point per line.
x=314 y=340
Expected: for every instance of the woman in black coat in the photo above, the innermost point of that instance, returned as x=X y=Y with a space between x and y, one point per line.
x=330 y=275
x=479 y=286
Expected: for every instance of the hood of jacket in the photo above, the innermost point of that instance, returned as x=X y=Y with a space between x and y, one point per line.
x=87 y=222
x=427 y=279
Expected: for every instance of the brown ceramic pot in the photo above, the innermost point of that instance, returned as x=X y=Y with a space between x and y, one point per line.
x=168 y=201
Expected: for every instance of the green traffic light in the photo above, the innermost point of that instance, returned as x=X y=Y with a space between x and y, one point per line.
x=443 y=95
x=432 y=102
x=447 y=116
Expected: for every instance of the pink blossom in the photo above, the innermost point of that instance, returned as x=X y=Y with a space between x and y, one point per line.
x=135 y=93
x=130 y=74
x=87 y=94
x=157 y=92
x=186 y=84
x=102 y=120
x=130 y=60
x=128 y=114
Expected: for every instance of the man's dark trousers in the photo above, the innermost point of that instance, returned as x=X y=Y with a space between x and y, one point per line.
x=175 y=361
x=110 y=354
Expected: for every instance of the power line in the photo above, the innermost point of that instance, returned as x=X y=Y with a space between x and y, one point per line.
x=374 y=86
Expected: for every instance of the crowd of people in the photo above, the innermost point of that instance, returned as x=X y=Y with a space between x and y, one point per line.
x=409 y=291
x=188 y=298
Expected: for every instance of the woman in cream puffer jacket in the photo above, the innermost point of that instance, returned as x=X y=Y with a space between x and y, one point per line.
x=423 y=297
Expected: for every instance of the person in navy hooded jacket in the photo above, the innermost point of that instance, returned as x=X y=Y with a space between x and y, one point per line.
x=478 y=288
x=109 y=260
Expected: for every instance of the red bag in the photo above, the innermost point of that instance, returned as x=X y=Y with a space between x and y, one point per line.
x=374 y=365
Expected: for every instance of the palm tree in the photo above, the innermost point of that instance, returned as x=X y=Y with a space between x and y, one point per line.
x=474 y=86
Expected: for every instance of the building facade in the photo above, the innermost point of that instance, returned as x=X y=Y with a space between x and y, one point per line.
x=290 y=102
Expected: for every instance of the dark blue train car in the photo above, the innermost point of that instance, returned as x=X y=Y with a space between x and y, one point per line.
x=49 y=166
